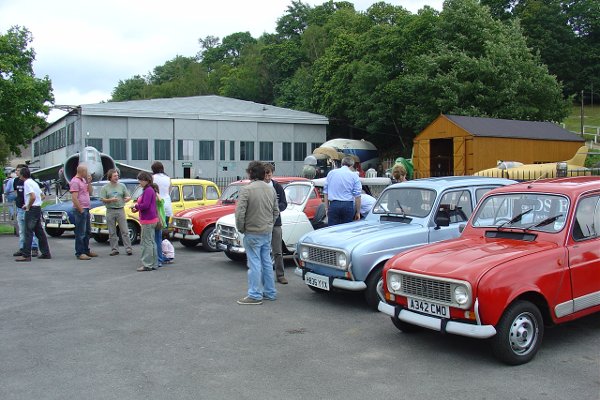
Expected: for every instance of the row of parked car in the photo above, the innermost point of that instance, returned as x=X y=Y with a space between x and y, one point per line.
x=486 y=258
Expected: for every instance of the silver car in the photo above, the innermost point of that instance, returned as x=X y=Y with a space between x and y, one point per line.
x=408 y=214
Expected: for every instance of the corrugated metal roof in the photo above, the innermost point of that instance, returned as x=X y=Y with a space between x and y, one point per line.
x=507 y=128
x=203 y=107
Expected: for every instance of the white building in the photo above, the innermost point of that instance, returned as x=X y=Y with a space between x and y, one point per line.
x=208 y=136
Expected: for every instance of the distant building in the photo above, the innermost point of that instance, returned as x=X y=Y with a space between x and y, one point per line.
x=457 y=145
x=206 y=136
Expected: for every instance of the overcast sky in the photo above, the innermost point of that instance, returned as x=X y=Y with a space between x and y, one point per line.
x=87 y=47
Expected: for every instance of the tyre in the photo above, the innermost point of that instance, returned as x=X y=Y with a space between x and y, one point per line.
x=235 y=256
x=133 y=231
x=405 y=326
x=519 y=333
x=209 y=242
x=54 y=232
x=189 y=243
x=374 y=292
x=100 y=238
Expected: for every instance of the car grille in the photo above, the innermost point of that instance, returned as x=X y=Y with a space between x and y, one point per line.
x=182 y=223
x=227 y=231
x=98 y=219
x=425 y=288
x=322 y=256
x=56 y=214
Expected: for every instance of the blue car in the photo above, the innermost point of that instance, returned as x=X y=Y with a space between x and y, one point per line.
x=408 y=214
x=59 y=217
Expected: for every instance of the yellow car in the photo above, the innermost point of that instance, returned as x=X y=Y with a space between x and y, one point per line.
x=185 y=193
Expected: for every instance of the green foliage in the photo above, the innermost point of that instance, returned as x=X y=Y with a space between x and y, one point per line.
x=386 y=73
x=24 y=99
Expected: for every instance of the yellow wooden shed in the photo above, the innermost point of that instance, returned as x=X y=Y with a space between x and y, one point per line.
x=457 y=145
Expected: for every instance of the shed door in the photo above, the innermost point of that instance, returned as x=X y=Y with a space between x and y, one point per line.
x=421 y=159
x=459 y=155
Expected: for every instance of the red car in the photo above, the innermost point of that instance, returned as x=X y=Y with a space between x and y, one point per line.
x=196 y=225
x=528 y=257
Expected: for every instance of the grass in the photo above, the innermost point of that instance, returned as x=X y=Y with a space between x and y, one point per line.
x=6 y=229
x=591 y=117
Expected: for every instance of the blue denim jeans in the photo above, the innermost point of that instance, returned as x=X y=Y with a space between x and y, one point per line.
x=261 y=281
x=159 y=254
x=21 y=224
x=340 y=212
x=33 y=226
x=82 y=231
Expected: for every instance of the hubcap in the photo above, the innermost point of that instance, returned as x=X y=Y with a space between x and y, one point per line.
x=212 y=242
x=523 y=334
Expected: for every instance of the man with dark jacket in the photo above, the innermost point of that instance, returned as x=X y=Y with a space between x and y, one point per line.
x=276 y=240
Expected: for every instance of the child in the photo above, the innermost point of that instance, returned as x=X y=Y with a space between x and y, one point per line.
x=167 y=248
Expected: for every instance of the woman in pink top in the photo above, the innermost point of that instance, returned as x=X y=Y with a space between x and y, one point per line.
x=148 y=214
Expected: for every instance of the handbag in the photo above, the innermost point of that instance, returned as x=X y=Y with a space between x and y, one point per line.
x=160 y=207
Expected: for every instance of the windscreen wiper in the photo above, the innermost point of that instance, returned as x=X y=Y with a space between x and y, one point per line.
x=544 y=222
x=516 y=218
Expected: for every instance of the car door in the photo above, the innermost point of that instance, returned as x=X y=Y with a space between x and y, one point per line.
x=457 y=205
x=584 y=253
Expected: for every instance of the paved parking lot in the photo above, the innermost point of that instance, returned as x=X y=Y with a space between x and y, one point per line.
x=98 y=329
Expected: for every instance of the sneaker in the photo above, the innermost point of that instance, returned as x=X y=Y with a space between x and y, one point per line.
x=17 y=253
x=45 y=256
x=34 y=253
x=92 y=254
x=269 y=298
x=84 y=257
x=22 y=259
x=129 y=252
x=114 y=253
x=249 y=301
x=282 y=280
x=142 y=269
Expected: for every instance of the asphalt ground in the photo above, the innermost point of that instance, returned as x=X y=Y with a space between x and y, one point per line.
x=98 y=329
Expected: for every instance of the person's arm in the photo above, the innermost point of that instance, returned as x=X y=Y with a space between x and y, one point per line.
x=30 y=201
x=75 y=199
x=240 y=210
x=281 y=198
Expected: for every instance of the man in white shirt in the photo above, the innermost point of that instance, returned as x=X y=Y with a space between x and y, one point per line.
x=33 y=217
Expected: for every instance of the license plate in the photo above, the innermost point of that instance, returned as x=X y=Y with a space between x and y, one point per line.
x=318 y=281
x=55 y=221
x=429 y=308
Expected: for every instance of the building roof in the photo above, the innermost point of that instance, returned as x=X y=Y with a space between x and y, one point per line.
x=507 y=128
x=203 y=108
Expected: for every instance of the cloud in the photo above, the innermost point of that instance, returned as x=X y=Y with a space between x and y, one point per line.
x=87 y=47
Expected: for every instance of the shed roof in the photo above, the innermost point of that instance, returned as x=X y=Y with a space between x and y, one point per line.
x=507 y=128
x=204 y=108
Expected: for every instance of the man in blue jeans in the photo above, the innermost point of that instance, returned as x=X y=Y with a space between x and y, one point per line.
x=19 y=186
x=80 y=188
x=342 y=194
x=255 y=215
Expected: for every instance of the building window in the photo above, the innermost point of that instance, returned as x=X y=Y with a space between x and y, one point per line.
x=162 y=149
x=299 y=151
x=266 y=151
x=185 y=149
x=207 y=150
x=97 y=143
x=118 y=148
x=313 y=146
x=71 y=133
x=246 y=151
x=286 y=151
x=222 y=150
x=232 y=150
x=139 y=149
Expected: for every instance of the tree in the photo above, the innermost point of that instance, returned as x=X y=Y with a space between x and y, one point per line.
x=130 y=89
x=24 y=99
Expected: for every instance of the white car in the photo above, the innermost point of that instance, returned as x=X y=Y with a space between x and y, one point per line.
x=294 y=222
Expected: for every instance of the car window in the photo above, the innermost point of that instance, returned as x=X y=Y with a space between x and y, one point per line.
x=231 y=192
x=457 y=205
x=409 y=201
x=587 y=218
x=212 y=193
x=534 y=211
x=479 y=192
x=295 y=194
x=175 y=193
x=192 y=192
